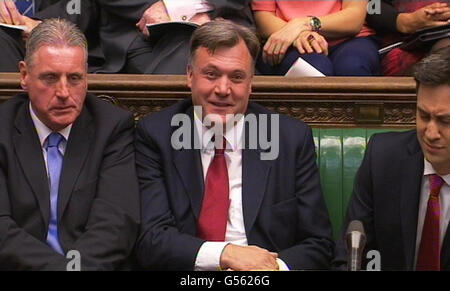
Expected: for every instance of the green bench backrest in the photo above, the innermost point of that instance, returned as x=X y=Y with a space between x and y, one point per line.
x=339 y=154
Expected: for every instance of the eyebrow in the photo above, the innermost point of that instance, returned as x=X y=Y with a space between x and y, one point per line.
x=442 y=116
x=210 y=66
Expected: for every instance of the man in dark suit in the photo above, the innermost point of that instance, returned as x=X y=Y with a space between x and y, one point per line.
x=127 y=48
x=31 y=12
x=401 y=192
x=233 y=208
x=68 y=184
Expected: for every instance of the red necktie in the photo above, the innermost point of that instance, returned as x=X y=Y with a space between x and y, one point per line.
x=429 y=250
x=212 y=223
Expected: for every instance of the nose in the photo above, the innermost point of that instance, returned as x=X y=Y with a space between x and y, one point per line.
x=432 y=131
x=223 y=86
x=62 y=88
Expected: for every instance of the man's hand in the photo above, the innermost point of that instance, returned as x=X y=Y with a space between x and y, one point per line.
x=245 y=258
x=200 y=18
x=30 y=24
x=279 y=42
x=156 y=13
x=432 y=15
x=9 y=13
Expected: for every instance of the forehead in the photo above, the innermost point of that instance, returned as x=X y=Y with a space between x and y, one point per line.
x=59 y=58
x=434 y=98
x=236 y=57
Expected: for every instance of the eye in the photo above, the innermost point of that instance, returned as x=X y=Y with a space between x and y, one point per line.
x=211 y=74
x=75 y=79
x=50 y=78
x=237 y=78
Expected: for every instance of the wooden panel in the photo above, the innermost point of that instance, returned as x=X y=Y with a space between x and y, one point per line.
x=321 y=102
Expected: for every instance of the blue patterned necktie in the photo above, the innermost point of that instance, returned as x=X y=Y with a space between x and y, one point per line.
x=54 y=163
x=26 y=7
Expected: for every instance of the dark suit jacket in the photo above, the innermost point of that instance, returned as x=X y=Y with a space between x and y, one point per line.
x=12 y=46
x=118 y=28
x=386 y=200
x=98 y=204
x=283 y=207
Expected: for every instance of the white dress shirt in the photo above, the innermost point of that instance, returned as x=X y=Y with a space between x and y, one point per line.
x=184 y=10
x=43 y=132
x=208 y=257
x=444 y=200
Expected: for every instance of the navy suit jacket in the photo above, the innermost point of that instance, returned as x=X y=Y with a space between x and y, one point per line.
x=386 y=199
x=283 y=207
x=98 y=201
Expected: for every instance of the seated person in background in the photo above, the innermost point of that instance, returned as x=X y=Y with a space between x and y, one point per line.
x=228 y=208
x=334 y=39
x=67 y=168
x=402 y=188
x=397 y=19
x=30 y=13
x=129 y=50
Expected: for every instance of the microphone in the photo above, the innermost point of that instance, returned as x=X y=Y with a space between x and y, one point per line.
x=356 y=241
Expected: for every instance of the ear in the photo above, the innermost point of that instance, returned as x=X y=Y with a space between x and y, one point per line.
x=23 y=68
x=189 y=72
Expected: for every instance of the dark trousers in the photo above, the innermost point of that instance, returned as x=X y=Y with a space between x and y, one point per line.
x=354 y=57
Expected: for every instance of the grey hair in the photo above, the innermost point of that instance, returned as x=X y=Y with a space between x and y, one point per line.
x=223 y=33
x=434 y=70
x=54 y=32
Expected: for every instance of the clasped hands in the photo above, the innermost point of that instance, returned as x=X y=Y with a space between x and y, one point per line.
x=9 y=14
x=297 y=33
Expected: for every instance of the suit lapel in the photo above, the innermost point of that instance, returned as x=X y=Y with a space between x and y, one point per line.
x=410 y=187
x=74 y=157
x=30 y=156
x=190 y=170
x=255 y=174
x=445 y=250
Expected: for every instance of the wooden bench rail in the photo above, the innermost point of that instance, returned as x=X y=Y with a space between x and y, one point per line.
x=321 y=102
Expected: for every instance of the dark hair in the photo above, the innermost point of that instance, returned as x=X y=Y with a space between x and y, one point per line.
x=434 y=70
x=223 y=33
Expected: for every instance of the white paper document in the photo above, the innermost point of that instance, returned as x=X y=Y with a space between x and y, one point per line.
x=21 y=27
x=302 y=68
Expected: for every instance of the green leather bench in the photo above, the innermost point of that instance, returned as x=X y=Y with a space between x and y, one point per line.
x=339 y=154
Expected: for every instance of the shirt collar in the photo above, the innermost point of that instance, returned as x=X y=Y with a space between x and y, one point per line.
x=233 y=136
x=429 y=170
x=43 y=131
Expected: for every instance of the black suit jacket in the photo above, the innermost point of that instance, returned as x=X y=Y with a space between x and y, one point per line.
x=386 y=200
x=12 y=46
x=118 y=28
x=98 y=204
x=283 y=207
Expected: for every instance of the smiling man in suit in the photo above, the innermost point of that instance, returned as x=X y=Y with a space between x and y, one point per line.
x=401 y=192
x=67 y=168
x=218 y=204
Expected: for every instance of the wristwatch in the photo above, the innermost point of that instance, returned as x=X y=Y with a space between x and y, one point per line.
x=315 y=23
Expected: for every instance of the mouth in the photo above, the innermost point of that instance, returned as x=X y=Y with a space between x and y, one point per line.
x=432 y=148
x=220 y=104
x=63 y=109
